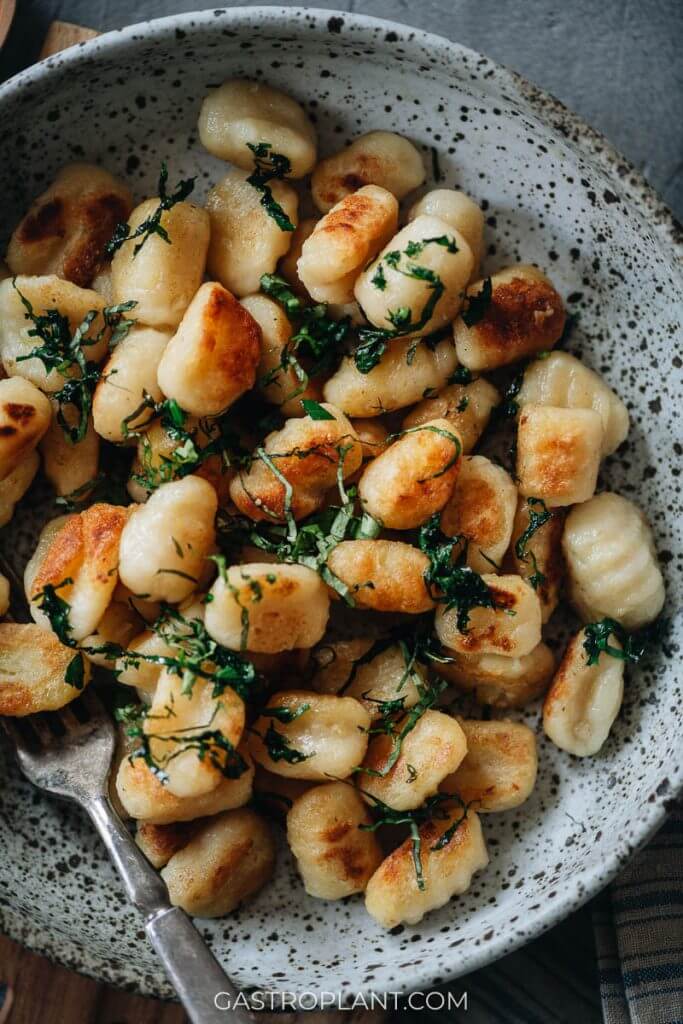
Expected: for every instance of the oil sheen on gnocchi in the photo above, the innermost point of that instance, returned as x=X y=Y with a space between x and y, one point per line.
x=287 y=523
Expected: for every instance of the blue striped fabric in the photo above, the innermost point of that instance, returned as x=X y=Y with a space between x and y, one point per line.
x=639 y=934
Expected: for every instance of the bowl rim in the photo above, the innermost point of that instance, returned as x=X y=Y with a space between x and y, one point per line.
x=626 y=180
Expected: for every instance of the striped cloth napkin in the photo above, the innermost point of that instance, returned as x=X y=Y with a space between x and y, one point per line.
x=627 y=968
x=639 y=934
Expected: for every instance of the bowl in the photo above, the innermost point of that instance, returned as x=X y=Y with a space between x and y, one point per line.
x=555 y=193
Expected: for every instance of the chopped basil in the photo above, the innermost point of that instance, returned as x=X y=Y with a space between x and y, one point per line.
x=267 y=166
x=152 y=224
x=476 y=306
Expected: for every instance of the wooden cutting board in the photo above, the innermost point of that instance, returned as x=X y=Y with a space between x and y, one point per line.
x=38 y=990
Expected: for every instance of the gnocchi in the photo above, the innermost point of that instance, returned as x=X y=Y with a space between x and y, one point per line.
x=165 y=542
x=128 y=376
x=304 y=735
x=240 y=115
x=467 y=407
x=67 y=227
x=161 y=278
x=524 y=316
x=390 y=283
x=558 y=453
x=267 y=608
x=499 y=769
x=395 y=382
x=297 y=466
x=561 y=380
x=432 y=749
x=69 y=467
x=43 y=293
x=229 y=859
x=378 y=158
x=344 y=240
x=146 y=799
x=386 y=575
x=458 y=210
x=414 y=477
x=481 y=511
x=25 y=415
x=328 y=833
x=511 y=627
x=612 y=563
x=177 y=718
x=583 y=700
x=389 y=676
x=393 y=895
x=500 y=680
x=245 y=241
x=15 y=485
x=81 y=560
x=536 y=550
x=34 y=671
x=211 y=359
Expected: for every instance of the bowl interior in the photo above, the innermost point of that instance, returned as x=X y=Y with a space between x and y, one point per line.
x=130 y=100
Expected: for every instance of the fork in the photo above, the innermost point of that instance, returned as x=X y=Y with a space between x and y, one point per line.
x=69 y=753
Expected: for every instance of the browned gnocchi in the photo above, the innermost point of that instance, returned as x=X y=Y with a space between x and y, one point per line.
x=328 y=557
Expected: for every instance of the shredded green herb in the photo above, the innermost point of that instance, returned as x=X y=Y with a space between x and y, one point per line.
x=433 y=809
x=315 y=410
x=633 y=645
x=476 y=306
x=277 y=743
x=65 y=352
x=316 y=337
x=151 y=225
x=268 y=166
x=374 y=340
x=536 y=521
x=388 y=722
x=448 y=578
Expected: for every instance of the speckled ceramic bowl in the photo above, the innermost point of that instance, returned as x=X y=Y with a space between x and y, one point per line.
x=554 y=193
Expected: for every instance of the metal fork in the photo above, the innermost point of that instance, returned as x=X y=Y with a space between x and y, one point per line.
x=69 y=753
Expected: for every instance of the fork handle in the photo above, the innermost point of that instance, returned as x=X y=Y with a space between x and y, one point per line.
x=190 y=965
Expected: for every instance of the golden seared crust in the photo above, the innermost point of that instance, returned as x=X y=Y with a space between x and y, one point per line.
x=33 y=665
x=558 y=453
x=498 y=680
x=393 y=894
x=335 y=856
x=160 y=842
x=500 y=768
x=525 y=315
x=481 y=509
x=307 y=453
x=66 y=229
x=383 y=574
x=368 y=169
x=212 y=358
x=94 y=536
x=229 y=859
x=146 y=799
x=466 y=406
x=542 y=553
x=348 y=236
x=511 y=627
x=25 y=416
x=414 y=477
